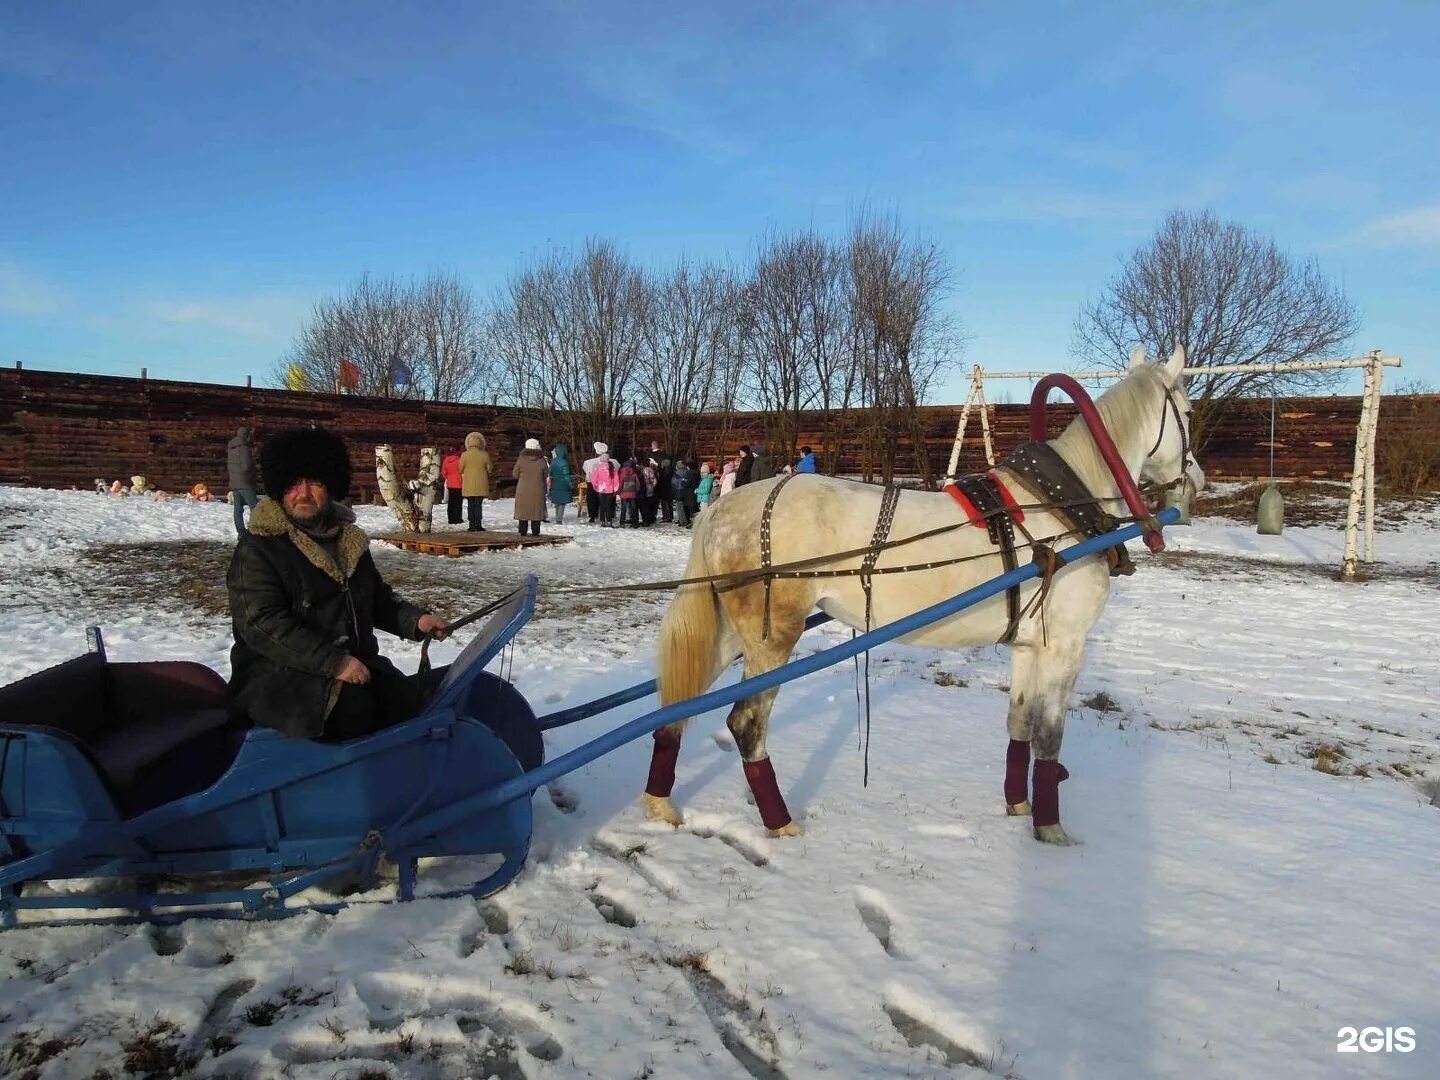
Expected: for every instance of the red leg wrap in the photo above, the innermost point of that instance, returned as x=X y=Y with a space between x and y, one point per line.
x=761 y=776
x=662 y=764
x=1045 y=803
x=1017 y=772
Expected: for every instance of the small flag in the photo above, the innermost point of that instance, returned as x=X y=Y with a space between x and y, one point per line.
x=400 y=374
x=349 y=375
x=295 y=378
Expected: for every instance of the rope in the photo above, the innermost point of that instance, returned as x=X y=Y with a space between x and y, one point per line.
x=796 y=569
x=1272 y=434
x=739 y=578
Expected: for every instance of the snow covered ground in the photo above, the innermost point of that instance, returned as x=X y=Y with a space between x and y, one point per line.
x=1230 y=909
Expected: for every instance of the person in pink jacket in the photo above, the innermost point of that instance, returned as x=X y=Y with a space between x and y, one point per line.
x=606 y=479
x=454 y=488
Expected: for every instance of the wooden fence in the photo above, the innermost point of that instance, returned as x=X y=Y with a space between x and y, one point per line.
x=65 y=430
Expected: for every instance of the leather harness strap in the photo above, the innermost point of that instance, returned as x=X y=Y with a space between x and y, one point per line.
x=765 y=545
x=1040 y=467
x=987 y=503
x=889 y=498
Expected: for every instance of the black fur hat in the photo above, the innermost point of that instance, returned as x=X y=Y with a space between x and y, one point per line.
x=305 y=454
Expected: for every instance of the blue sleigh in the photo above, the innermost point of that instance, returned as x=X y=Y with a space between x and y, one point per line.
x=136 y=771
x=133 y=773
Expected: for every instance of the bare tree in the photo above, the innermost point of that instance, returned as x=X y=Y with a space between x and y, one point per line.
x=568 y=334
x=901 y=341
x=428 y=331
x=688 y=342
x=1229 y=297
x=378 y=321
x=791 y=317
x=451 y=365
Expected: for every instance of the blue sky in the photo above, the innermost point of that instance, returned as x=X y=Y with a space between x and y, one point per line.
x=179 y=182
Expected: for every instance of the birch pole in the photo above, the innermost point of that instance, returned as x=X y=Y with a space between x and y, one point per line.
x=977 y=392
x=1370 y=457
x=429 y=486
x=411 y=502
x=1357 y=479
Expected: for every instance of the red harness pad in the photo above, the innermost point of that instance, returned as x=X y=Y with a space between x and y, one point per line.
x=974 y=516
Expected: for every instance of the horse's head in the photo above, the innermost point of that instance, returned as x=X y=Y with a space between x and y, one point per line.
x=1172 y=456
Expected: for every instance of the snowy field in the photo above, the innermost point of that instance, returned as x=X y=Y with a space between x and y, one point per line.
x=1255 y=759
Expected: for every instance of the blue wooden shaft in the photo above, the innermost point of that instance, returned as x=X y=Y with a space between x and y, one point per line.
x=728 y=695
x=629 y=694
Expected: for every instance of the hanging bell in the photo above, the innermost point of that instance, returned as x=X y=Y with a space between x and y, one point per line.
x=1271 y=513
x=1181 y=497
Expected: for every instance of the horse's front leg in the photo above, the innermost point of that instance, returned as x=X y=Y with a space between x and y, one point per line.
x=749 y=720
x=1042 y=680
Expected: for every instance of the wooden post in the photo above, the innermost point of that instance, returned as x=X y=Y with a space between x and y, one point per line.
x=248 y=384
x=985 y=426
x=977 y=390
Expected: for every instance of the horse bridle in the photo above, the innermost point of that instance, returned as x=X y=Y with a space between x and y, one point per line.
x=1185 y=458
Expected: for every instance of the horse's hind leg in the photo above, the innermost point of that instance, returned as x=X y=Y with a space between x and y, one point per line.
x=748 y=722
x=661 y=781
x=749 y=719
x=1042 y=680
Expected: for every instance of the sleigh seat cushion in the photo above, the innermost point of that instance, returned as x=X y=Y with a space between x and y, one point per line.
x=169 y=733
x=160 y=758
x=70 y=697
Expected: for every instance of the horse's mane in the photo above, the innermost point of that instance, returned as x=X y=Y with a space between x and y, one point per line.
x=1126 y=408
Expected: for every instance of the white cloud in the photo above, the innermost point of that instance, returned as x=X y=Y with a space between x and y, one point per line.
x=21 y=293
x=1418 y=228
x=261 y=317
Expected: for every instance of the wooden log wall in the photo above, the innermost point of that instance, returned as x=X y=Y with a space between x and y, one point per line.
x=65 y=430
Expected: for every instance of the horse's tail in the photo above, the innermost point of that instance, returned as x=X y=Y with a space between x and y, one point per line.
x=688 y=635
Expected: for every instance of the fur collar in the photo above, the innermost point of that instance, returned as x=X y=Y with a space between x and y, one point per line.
x=268 y=519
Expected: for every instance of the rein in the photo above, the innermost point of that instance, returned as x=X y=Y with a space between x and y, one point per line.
x=1042 y=552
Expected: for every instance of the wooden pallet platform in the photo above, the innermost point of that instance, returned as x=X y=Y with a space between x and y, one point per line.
x=463 y=542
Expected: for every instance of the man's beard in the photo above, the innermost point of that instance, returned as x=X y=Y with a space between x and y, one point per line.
x=307 y=513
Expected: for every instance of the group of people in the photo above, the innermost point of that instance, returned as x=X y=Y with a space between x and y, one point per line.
x=656 y=486
x=620 y=490
x=538 y=479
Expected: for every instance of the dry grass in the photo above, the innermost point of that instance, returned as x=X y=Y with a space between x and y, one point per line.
x=1308 y=502
x=1327 y=757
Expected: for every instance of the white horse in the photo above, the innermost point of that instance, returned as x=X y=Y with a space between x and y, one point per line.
x=705 y=629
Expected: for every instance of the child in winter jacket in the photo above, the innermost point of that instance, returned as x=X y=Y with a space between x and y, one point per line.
x=605 y=479
x=727 y=478
x=630 y=486
x=705 y=490
x=682 y=486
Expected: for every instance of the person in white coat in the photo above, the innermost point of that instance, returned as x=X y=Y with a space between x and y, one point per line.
x=592 y=497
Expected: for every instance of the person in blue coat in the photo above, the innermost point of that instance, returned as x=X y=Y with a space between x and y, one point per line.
x=562 y=484
x=807 y=460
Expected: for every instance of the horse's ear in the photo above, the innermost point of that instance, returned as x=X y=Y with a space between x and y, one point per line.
x=1175 y=366
x=1137 y=357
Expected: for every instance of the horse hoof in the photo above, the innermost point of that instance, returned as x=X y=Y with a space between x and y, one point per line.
x=792 y=829
x=1054 y=834
x=660 y=808
x=1018 y=809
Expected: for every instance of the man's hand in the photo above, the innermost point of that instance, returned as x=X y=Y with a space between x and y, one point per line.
x=433 y=625
x=353 y=671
